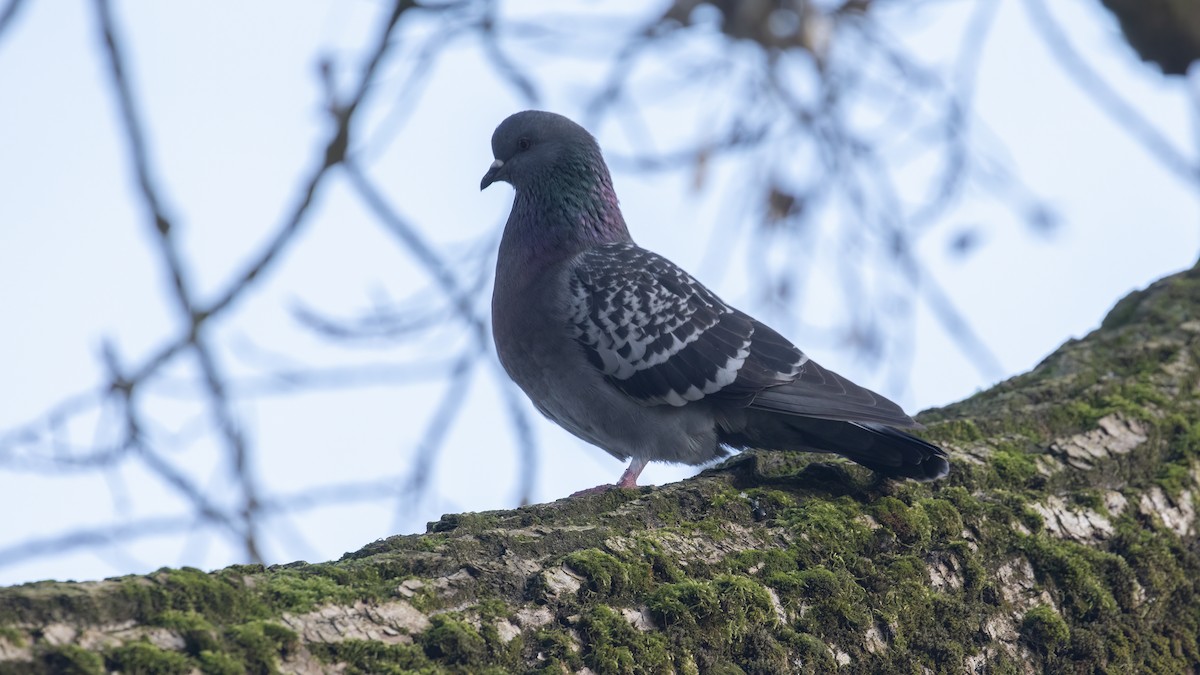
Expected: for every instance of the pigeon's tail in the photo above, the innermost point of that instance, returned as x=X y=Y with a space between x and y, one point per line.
x=880 y=448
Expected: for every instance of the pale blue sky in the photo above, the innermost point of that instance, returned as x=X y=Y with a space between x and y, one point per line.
x=233 y=111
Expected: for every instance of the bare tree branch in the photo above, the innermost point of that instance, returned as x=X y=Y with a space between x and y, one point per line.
x=9 y=14
x=1106 y=98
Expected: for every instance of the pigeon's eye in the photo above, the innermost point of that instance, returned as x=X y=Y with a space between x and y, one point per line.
x=523 y=144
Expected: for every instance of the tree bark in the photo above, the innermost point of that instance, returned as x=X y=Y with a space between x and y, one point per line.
x=1064 y=540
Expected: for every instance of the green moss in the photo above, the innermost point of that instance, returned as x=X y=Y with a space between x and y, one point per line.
x=425 y=599
x=744 y=604
x=1187 y=438
x=664 y=565
x=945 y=521
x=813 y=656
x=607 y=576
x=832 y=600
x=491 y=609
x=928 y=629
x=764 y=562
x=1170 y=577
x=1138 y=397
x=198 y=634
x=688 y=604
x=560 y=650
x=143 y=658
x=259 y=645
x=828 y=528
x=219 y=663
x=471 y=521
x=977 y=584
x=1124 y=311
x=1079 y=414
x=730 y=620
x=70 y=660
x=958 y=431
x=1044 y=629
x=368 y=657
x=12 y=636
x=1013 y=466
x=453 y=640
x=1031 y=519
x=1086 y=578
x=501 y=653
x=1086 y=645
x=772 y=500
x=1174 y=478
x=1155 y=557
x=904 y=569
x=252 y=647
x=297 y=591
x=910 y=525
x=968 y=506
x=1090 y=498
x=221 y=596
x=612 y=645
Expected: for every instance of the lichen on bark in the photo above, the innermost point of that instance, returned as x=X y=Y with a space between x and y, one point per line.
x=1065 y=539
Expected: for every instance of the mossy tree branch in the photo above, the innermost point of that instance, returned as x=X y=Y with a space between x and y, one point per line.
x=1065 y=540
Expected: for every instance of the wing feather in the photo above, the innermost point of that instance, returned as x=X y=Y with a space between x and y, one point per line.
x=661 y=337
x=819 y=392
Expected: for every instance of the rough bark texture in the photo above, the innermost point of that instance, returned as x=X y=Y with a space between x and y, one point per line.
x=1065 y=540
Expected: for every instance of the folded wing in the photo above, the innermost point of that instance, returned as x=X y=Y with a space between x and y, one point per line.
x=661 y=337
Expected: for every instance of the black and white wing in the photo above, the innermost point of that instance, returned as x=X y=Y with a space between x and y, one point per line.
x=661 y=337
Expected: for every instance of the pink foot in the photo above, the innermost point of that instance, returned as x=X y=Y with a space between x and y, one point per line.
x=594 y=490
x=627 y=480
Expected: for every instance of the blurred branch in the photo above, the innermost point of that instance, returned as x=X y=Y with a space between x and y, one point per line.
x=390 y=324
x=279 y=382
x=335 y=153
x=297 y=502
x=500 y=60
x=223 y=418
x=9 y=14
x=437 y=428
x=195 y=315
x=420 y=248
x=215 y=385
x=91 y=537
x=49 y=422
x=1106 y=98
x=464 y=303
x=518 y=415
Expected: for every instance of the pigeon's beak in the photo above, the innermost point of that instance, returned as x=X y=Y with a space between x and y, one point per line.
x=492 y=174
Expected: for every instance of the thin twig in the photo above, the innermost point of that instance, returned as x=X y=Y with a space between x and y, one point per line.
x=1105 y=97
x=9 y=15
x=219 y=403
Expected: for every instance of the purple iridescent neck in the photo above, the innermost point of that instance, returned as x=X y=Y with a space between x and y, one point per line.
x=562 y=211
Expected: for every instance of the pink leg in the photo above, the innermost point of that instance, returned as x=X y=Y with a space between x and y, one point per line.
x=627 y=479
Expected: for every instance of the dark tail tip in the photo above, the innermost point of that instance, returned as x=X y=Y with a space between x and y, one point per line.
x=906 y=455
x=933 y=468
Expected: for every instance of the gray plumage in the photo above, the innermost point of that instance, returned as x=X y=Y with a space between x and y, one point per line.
x=630 y=353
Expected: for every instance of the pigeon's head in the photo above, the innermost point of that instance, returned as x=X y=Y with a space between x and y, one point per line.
x=532 y=145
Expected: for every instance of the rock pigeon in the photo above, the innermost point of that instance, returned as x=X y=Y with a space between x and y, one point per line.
x=629 y=352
